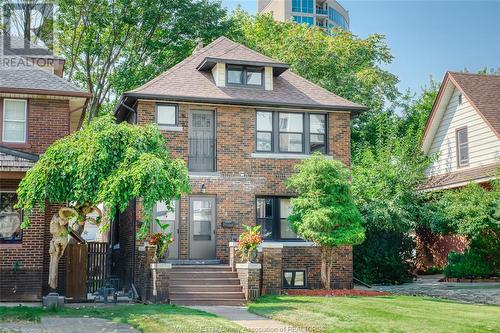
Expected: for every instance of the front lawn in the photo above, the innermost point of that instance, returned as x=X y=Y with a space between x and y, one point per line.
x=147 y=318
x=378 y=314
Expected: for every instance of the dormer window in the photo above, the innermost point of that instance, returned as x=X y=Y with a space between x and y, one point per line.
x=245 y=76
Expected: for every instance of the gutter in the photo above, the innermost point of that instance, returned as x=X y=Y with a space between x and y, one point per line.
x=243 y=102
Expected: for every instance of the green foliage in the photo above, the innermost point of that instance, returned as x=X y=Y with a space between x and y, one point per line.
x=114 y=46
x=384 y=257
x=105 y=163
x=343 y=63
x=324 y=211
x=467 y=265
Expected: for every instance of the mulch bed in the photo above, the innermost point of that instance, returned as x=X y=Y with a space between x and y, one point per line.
x=336 y=292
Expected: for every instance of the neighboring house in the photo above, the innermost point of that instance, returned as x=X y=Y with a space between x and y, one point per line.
x=463 y=134
x=326 y=14
x=37 y=107
x=241 y=121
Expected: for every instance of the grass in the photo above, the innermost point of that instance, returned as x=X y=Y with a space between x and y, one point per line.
x=147 y=318
x=378 y=314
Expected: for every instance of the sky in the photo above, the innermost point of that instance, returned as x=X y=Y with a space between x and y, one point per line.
x=426 y=38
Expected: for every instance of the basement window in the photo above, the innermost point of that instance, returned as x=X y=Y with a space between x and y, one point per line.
x=294 y=279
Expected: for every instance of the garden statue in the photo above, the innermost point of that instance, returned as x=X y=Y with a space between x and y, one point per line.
x=59 y=231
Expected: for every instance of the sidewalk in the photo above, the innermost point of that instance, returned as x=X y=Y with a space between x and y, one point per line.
x=241 y=316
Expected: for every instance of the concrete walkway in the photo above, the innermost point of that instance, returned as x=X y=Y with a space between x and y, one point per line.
x=67 y=325
x=467 y=292
x=241 y=316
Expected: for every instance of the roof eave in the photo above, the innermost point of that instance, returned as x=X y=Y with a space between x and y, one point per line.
x=354 y=110
x=82 y=94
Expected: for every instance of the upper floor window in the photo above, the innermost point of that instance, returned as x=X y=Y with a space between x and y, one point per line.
x=245 y=76
x=167 y=114
x=287 y=132
x=304 y=19
x=462 y=147
x=14 y=120
x=10 y=219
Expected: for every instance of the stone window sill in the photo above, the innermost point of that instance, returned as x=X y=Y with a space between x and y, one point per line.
x=11 y=246
x=282 y=156
x=170 y=128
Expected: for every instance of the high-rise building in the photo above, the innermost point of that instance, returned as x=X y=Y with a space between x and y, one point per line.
x=326 y=14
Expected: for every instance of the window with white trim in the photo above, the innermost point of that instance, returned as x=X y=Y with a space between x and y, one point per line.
x=167 y=114
x=462 y=147
x=10 y=219
x=14 y=120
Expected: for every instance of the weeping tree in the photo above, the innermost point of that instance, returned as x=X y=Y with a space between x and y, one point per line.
x=105 y=163
x=324 y=211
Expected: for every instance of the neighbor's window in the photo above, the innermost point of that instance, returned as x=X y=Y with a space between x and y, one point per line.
x=10 y=219
x=287 y=132
x=294 y=279
x=272 y=216
x=462 y=147
x=166 y=114
x=245 y=76
x=14 y=120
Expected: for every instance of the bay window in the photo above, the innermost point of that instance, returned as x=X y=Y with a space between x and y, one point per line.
x=291 y=132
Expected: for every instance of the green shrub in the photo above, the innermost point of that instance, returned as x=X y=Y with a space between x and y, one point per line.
x=467 y=265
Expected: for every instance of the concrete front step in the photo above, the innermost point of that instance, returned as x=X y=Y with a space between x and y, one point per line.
x=202 y=275
x=207 y=295
x=225 y=302
x=203 y=282
x=197 y=262
x=206 y=288
x=200 y=267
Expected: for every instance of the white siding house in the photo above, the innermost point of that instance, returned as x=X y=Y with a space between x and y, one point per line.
x=463 y=140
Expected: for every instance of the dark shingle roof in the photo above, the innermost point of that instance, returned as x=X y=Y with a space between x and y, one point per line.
x=185 y=82
x=461 y=177
x=483 y=91
x=19 y=75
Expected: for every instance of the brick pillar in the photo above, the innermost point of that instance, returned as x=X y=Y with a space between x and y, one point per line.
x=160 y=281
x=249 y=275
x=143 y=276
x=272 y=255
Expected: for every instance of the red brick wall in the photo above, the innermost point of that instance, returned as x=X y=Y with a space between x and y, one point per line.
x=240 y=177
x=433 y=249
x=48 y=120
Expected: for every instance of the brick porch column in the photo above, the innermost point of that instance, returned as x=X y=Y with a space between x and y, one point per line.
x=160 y=282
x=144 y=259
x=249 y=275
x=272 y=257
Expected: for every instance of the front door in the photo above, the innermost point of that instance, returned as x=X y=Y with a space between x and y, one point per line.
x=201 y=141
x=202 y=228
x=171 y=219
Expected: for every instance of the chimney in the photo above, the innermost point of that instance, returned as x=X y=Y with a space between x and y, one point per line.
x=199 y=46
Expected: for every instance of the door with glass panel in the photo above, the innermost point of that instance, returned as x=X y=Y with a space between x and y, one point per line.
x=169 y=217
x=201 y=228
x=201 y=141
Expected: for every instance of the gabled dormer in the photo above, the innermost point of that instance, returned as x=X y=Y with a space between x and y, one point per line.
x=243 y=73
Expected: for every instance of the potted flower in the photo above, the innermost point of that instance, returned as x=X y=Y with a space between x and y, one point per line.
x=162 y=242
x=248 y=242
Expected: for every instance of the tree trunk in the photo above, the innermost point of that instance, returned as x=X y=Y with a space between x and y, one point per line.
x=326 y=266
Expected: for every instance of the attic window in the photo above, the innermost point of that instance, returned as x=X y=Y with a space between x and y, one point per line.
x=460 y=99
x=245 y=76
x=462 y=147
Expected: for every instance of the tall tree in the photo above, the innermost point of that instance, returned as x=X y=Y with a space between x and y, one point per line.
x=324 y=211
x=342 y=63
x=113 y=46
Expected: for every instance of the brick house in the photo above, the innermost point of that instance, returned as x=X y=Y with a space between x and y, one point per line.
x=241 y=121
x=463 y=131
x=37 y=107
